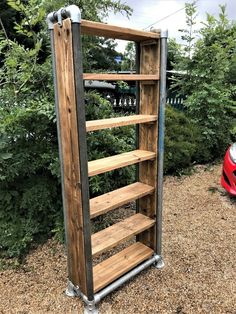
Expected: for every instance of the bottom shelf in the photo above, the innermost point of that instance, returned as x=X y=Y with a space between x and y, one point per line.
x=119 y=264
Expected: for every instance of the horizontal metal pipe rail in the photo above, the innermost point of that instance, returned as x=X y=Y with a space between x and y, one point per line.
x=119 y=282
x=113 y=286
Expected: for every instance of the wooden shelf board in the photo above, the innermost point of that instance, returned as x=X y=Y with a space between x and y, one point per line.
x=95 y=125
x=106 y=202
x=120 y=77
x=113 y=31
x=106 y=239
x=119 y=264
x=118 y=161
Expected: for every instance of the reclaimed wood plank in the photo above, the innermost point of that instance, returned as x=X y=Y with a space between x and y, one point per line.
x=120 y=77
x=95 y=125
x=119 y=264
x=114 y=199
x=116 y=32
x=107 y=238
x=118 y=161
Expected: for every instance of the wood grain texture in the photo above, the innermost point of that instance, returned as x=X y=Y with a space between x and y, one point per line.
x=68 y=138
x=120 y=77
x=113 y=31
x=119 y=264
x=106 y=239
x=118 y=161
x=148 y=134
x=119 y=121
x=106 y=202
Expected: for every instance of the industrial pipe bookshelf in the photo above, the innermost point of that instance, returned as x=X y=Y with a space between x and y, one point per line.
x=93 y=283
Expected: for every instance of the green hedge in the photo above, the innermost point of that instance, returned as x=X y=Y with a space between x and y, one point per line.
x=30 y=193
x=182 y=141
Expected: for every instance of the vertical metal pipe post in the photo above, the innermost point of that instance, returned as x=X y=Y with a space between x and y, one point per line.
x=161 y=126
x=79 y=89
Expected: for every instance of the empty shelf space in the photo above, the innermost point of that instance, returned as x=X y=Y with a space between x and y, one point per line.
x=120 y=77
x=112 y=31
x=119 y=121
x=118 y=161
x=106 y=239
x=106 y=202
x=119 y=264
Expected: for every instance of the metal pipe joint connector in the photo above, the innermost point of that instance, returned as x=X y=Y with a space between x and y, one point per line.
x=164 y=33
x=72 y=11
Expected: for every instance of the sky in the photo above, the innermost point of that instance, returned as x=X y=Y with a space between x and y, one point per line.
x=146 y=12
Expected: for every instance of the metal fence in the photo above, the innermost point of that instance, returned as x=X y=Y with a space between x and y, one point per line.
x=127 y=103
x=176 y=101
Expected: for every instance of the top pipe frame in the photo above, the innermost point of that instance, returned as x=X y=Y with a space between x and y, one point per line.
x=101 y=29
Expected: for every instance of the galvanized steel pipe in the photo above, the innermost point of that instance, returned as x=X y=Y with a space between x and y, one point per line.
x=116 y=284
x=161 y=128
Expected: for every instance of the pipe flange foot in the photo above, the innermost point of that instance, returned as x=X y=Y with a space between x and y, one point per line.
x=90 y=308
x=71 y=290
x=159 y=264
x=70 y=293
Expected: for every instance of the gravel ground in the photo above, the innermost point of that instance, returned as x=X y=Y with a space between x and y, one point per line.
x=198 y=248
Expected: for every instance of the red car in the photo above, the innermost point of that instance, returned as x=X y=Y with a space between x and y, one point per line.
x=228 y=178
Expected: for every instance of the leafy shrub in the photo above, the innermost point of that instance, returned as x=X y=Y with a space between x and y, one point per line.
x=30 y=193
x=28 y=214
x=208 y=109
x=182 y=140
x=233 y=131
x=29 y=189
x=207 y=67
